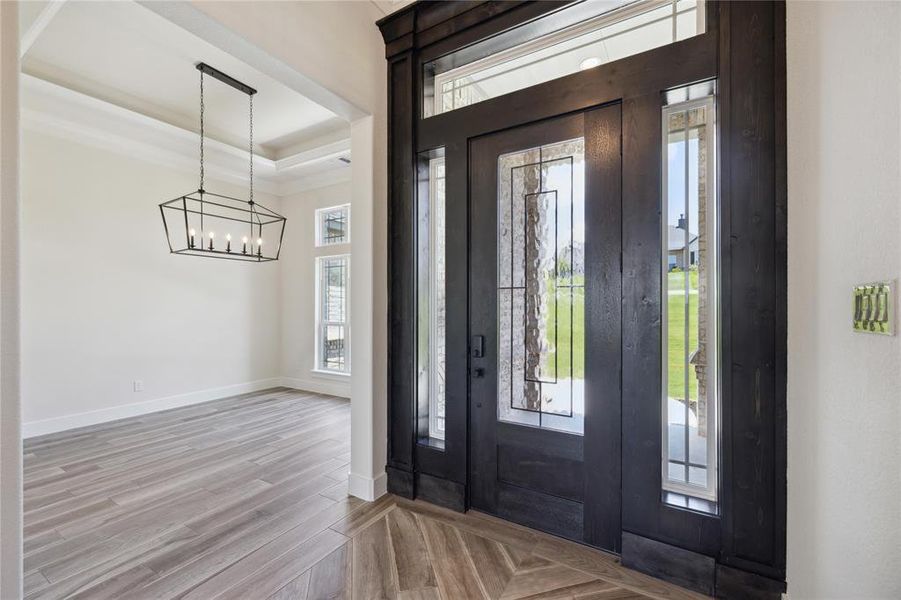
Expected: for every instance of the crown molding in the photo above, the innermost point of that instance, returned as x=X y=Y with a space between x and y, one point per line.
x=320 y=180
x=313 y=156
x=56 y=110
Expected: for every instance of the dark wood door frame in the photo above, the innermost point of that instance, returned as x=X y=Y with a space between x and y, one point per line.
x=743 y=548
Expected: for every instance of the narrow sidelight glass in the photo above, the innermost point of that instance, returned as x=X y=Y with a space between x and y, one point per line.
x=689 y=287
x=430 y=296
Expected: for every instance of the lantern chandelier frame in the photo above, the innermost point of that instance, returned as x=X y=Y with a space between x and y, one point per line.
x=191 y=221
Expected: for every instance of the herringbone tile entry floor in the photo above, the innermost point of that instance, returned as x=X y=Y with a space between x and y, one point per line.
x=415 y=550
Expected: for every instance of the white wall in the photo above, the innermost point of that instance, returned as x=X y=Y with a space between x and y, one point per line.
x=298 y=264
x=10 y=406
x=844 y=397
x=104 y=303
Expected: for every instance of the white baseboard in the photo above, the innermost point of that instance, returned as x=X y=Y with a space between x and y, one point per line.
x=367 y=488
x=114 y=413
x=320 y=386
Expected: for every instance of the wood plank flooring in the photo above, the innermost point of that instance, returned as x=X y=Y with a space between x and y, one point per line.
x=246 y=498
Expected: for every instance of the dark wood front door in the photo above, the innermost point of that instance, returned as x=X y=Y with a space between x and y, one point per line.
x=545 y=306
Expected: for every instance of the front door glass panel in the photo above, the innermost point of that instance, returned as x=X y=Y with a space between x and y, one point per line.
x=541 y=286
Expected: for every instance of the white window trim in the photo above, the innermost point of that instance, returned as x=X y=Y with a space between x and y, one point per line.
x=616 y=15
x=320 y=243
x=338 y=375
x=708 y=492
x=434 y=430
x=318 y=367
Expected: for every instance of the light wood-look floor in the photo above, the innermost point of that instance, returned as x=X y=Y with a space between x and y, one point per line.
x=247 y=498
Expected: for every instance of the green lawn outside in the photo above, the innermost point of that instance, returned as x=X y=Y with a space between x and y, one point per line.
x=676 y=336
x=564 y=304
x=675 y=345
x=677 y=279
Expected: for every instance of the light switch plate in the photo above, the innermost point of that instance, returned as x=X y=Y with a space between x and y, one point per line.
x=873 y=308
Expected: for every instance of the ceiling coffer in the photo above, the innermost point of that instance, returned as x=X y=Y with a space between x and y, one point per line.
x=202 y=223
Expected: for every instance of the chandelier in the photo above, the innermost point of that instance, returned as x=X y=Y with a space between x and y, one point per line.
x=202 y=223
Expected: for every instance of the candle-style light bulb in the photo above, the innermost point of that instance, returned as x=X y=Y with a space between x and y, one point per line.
x=244 y=250
x=228 y=242
x=259 y=246
x=192 y=232
x=212 y=235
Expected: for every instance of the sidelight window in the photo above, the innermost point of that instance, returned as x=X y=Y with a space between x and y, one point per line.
x=431 y=319
x=689 y=290
x=564 y=42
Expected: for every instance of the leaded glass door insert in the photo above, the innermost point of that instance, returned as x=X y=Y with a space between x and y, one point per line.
x=541 y=286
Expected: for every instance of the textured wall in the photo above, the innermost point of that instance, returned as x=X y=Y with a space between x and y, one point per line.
x=844 y=396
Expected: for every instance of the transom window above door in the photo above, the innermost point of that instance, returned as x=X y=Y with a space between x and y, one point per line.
x=579 y=37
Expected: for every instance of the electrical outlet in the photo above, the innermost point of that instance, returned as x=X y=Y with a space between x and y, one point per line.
x=139 y=385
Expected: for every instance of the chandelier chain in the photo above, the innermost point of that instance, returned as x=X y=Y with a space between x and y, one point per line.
x=251 y=148
x=201 y=130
